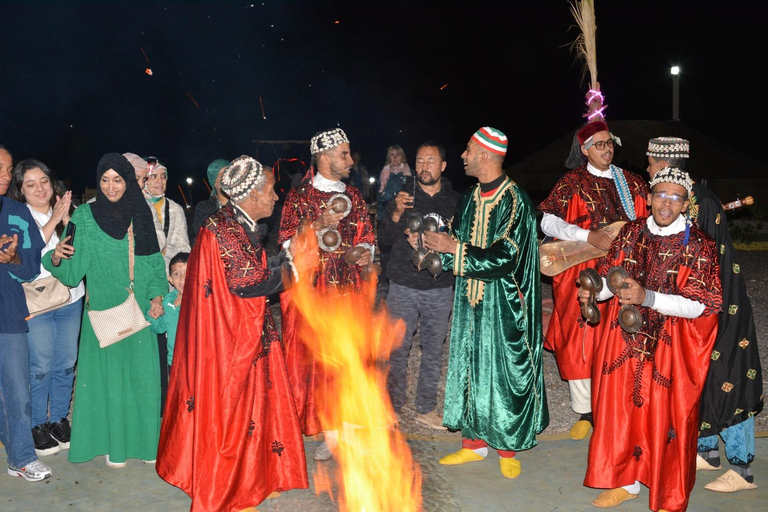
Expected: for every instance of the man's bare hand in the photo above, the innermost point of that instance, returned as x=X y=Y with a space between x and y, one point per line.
x=365 y=260
x=439 y=242
x=403 y=201
x=328 y=219
x=8 y=253
x=631 y=292
x=601 y=238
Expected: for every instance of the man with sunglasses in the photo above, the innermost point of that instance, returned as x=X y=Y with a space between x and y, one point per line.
x=648 y=373
x=733 y=390
x=585 y=200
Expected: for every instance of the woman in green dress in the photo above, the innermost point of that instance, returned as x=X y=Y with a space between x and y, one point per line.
x=117 y=391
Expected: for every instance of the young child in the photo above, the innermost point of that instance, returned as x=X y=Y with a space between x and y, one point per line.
x=166 y=323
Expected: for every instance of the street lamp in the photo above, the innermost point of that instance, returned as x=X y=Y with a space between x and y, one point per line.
x=189 y=189
x=675 y=71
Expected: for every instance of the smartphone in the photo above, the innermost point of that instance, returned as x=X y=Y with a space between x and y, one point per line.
x=70 y=231
x=409 y=186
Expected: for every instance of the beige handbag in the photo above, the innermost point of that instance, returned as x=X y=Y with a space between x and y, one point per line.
x=117 y=323
x=45 y=295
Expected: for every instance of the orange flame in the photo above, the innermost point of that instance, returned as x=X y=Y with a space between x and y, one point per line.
x=349 y=339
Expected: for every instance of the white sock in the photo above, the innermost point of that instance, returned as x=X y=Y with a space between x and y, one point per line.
x=483 y=452
x=632 y=489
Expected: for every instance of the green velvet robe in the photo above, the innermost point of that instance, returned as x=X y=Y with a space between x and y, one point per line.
x=117 y=389
x=495 y=386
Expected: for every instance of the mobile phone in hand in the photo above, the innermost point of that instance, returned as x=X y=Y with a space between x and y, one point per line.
x=409 y=186
x=70 y=232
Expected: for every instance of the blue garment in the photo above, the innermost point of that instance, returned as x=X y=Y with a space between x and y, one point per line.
x=52 y=342
x=168 y=322
x=739 y=440
x=15 y=433
x=15 y=219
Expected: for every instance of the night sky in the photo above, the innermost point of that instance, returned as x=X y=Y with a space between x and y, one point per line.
x=74 y=84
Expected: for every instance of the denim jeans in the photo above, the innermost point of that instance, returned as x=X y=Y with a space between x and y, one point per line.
x=434 y=309
x=52 y=341
x=15 y=433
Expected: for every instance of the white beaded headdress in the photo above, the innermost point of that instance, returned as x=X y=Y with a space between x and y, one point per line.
x=328 y=139
x=242 y=176
x=673 y=175
x=668 y=147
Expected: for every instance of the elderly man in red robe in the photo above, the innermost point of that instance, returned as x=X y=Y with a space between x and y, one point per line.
x=342 y=264
x=230 y=436
x=652 y=351
x=585 y=200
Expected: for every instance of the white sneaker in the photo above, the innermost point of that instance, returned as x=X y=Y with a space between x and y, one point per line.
x=115 y=464
x=32 y=472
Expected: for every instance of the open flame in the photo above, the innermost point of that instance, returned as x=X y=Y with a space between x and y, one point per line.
x=349 y=338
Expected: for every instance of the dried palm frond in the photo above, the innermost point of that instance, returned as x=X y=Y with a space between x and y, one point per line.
x=585 y=45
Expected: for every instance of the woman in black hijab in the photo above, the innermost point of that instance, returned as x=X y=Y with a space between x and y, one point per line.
x=117 y=393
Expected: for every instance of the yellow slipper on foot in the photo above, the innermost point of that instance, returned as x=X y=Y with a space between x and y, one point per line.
x=273 y=495
x=613 y=498
x=510 y=467
x=580 y=429
x=460 y=457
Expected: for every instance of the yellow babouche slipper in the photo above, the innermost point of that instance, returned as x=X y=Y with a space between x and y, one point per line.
x=460 y=457
x=580 y=429
x=730 y=481
x=510 y=467
x=703 y=465
x=613 y=498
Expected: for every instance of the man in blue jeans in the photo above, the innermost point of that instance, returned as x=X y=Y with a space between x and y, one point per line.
x=415 y=295
x=20 y=246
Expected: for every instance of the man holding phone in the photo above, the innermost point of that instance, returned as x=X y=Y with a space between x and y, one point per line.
x=414 y=294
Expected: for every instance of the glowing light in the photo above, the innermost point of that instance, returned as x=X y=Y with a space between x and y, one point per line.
x=675 y=70
x=371 y=180
x=148 y=71
x=263 y=115
x=189 y=181
x=595 y=95
x=598 y=112
x=443 y=87
x=336 y=22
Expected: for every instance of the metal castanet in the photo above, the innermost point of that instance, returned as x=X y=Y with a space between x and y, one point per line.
x=630 y=318
x=591 y=281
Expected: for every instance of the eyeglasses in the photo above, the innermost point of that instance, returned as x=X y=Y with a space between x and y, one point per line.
x=662 y=196
x=601 y=145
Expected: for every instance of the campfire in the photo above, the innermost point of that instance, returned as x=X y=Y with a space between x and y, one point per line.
x=376 y=471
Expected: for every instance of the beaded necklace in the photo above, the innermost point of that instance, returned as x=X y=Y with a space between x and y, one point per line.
x=623 y=189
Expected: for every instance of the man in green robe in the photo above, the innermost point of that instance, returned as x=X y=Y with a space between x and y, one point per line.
x=494 y=391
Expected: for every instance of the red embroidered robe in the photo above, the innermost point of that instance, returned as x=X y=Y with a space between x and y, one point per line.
x=646 y=387
x=590 y=202
x=230 y=435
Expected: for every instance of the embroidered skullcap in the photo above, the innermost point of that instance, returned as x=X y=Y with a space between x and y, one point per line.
x=327 y=139
x=673 y=175
x=214 y=168
x=491 y=139
x=668 y=147
x=138 y=163
x=242 y=176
